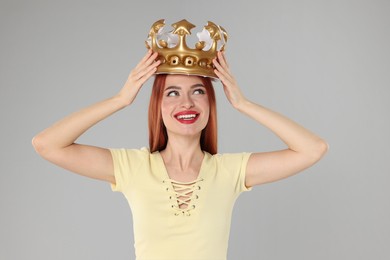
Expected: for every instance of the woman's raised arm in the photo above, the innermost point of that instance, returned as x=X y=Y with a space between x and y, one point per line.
x=57 y=143
x=304 y=147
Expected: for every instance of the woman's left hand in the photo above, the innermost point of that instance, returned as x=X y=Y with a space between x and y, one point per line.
x=232 y=91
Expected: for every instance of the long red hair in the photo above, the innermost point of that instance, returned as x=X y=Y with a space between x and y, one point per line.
x=158 y=137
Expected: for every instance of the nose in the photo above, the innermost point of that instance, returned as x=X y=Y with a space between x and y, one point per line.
x=187 y=102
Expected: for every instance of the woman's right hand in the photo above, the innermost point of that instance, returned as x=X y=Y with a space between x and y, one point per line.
x=138 y=76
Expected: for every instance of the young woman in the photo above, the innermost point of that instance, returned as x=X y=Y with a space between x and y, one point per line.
x=181 y=192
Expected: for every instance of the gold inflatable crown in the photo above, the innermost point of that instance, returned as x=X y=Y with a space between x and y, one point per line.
x=176 y=57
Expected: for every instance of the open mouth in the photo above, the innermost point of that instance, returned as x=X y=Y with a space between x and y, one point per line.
x=187 y=117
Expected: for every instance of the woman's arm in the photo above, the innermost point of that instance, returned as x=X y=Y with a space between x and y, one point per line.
x=304 y=147
x=57 y=143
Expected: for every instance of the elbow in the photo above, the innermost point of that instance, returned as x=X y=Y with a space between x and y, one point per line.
x=38 y=142
x=324 y=147
x=321 y=149
x=315 y=153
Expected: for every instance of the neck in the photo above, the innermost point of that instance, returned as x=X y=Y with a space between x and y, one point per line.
x=183 y=152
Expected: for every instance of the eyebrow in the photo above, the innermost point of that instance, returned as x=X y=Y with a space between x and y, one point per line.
x=177 y=87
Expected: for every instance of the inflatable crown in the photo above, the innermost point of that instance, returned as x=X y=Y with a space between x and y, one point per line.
x=176 y=57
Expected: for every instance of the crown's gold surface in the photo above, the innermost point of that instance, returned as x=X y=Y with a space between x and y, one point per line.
x=176 y=57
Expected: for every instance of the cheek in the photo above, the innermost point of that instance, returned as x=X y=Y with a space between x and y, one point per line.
x=166 y=109
x=167 y=102
x=206 y=106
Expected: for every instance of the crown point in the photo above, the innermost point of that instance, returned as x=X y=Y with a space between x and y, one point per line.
x=157 y=26
x=182 y=27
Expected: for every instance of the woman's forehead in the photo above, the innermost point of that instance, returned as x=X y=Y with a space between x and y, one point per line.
x=182 y=80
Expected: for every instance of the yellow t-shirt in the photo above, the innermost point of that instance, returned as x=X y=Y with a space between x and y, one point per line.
x=163 y=231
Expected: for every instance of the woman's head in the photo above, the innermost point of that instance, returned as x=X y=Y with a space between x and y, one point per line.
x=186 y=104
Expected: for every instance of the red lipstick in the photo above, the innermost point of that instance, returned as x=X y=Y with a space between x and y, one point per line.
x=187 y=117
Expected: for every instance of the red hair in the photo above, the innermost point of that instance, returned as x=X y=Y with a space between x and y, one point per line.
x=158 y=137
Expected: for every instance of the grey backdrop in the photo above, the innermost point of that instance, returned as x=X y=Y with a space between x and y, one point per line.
x=324 y=64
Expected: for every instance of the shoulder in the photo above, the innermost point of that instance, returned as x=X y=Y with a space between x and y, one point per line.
x=231 y=167
x=230 y=161
x=124 y=155
x=227 y=158
x=126 y=151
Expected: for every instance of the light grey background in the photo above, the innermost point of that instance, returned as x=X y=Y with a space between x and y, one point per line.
x=323 y=63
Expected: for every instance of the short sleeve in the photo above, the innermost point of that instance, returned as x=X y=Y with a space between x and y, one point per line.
x=235 y=164
x=126 y=162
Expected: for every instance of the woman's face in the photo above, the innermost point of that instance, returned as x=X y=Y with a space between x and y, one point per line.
x=185 y=105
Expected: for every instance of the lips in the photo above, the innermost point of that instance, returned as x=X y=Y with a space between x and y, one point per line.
x=187 y=117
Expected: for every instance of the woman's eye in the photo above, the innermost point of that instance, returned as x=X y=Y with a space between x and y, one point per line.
x=173 y=93
x=199 y=91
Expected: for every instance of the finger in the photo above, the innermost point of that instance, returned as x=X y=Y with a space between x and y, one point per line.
x=146 y=76
x=223 y=71
x=218 y=65
x=221 y=66
x=224 y=80
x=146 y=61
x=143 y=71
x=152 y=66
x=220 y=75
x=222 y=59
x=145 y=58
x=149 y=57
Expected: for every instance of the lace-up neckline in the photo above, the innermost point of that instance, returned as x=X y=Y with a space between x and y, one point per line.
x=182 y=196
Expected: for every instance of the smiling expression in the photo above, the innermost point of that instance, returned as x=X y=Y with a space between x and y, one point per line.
x=185 y=105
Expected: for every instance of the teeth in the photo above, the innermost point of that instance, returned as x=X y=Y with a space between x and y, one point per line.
x=186 y=116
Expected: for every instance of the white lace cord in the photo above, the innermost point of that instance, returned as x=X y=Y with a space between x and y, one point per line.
x=185 y=190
